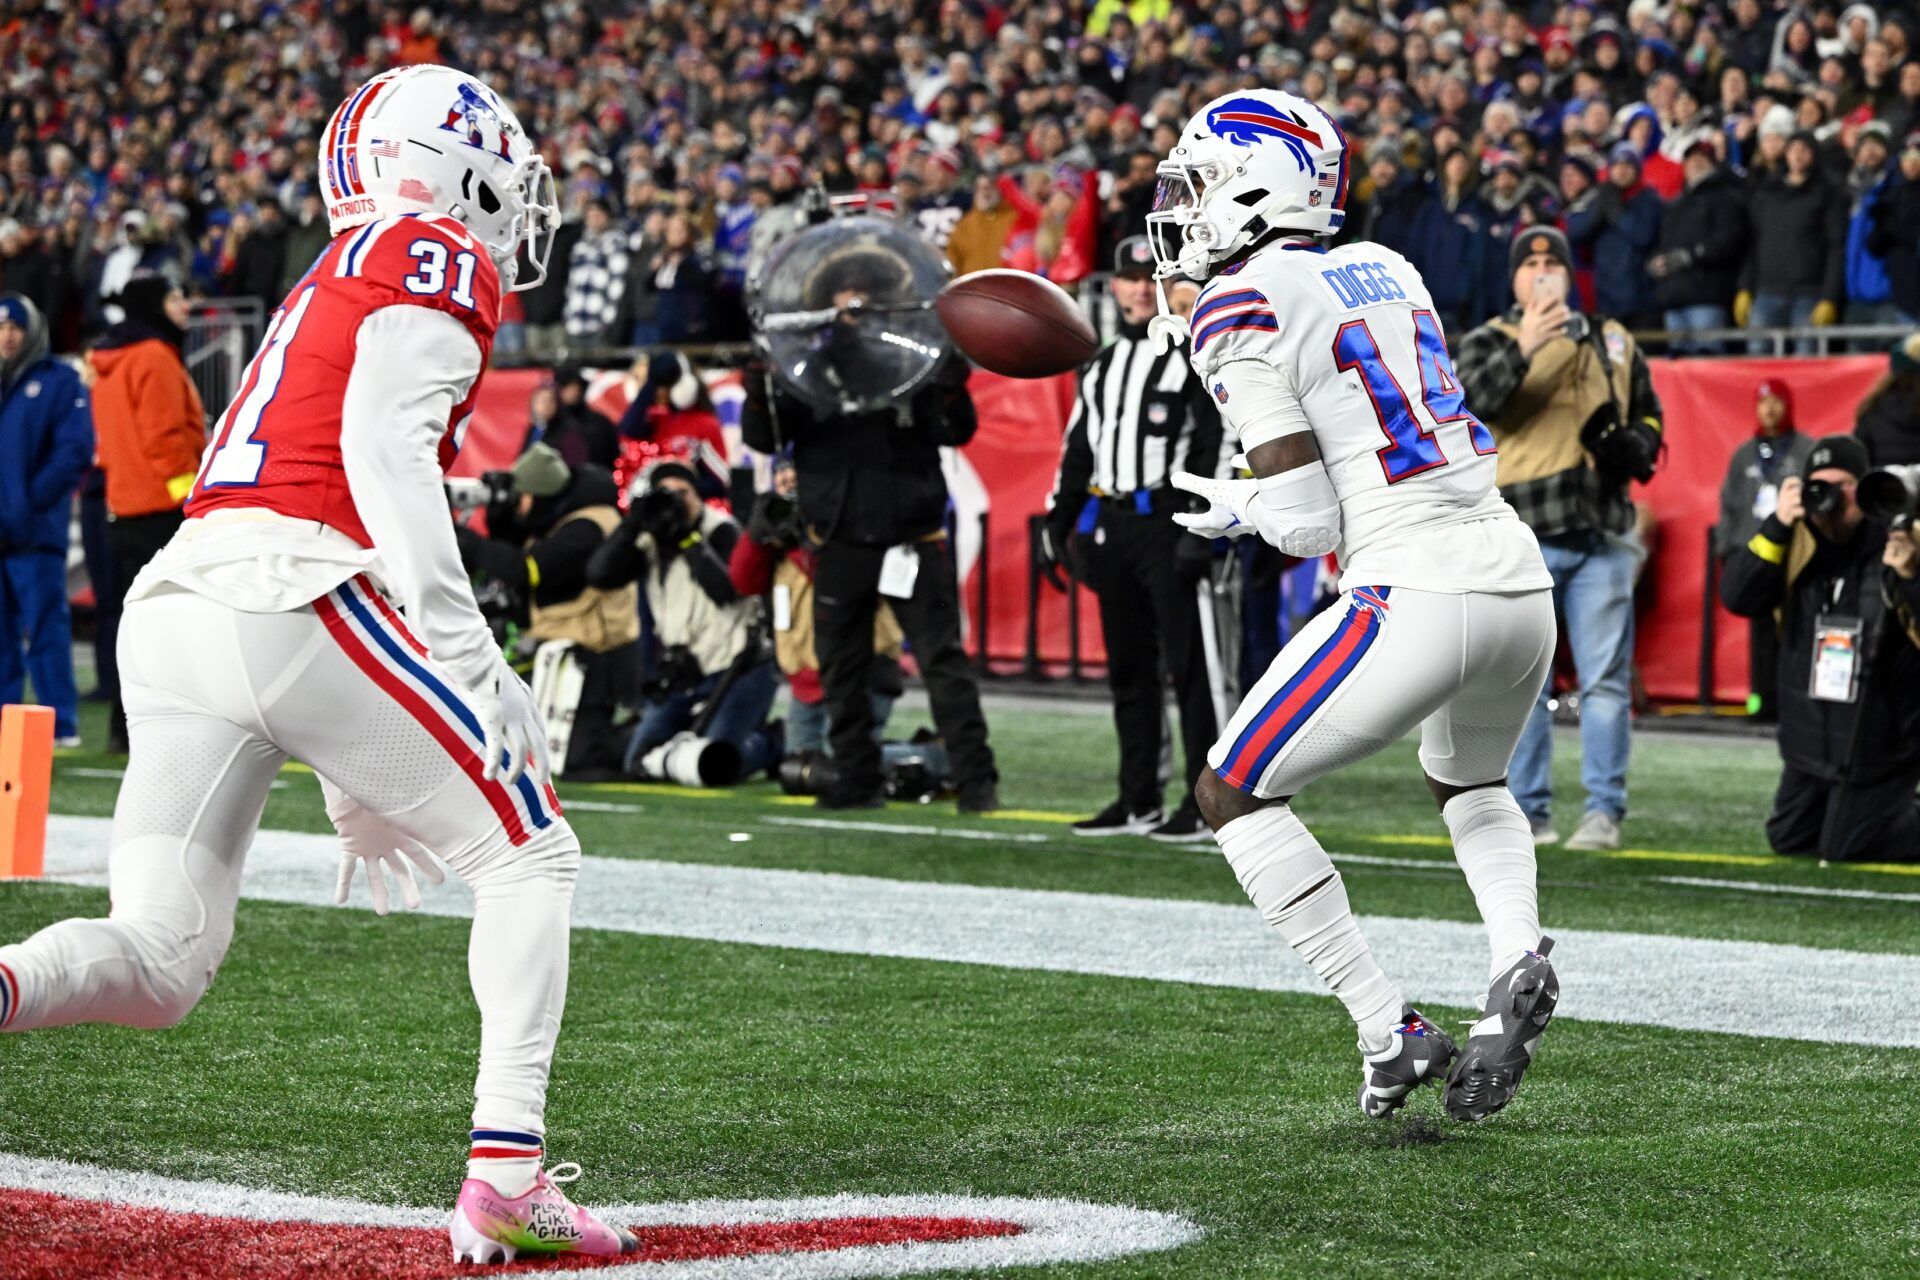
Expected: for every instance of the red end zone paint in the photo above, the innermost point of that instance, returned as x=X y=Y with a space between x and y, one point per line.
x=53 y=1237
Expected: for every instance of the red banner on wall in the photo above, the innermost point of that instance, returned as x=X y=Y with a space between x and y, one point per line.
x=1709 y=408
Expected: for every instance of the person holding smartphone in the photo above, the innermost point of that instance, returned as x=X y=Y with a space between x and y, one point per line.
x=1573 y=411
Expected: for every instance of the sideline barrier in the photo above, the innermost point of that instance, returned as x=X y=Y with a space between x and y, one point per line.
x=1011 y=463
x=26 y=781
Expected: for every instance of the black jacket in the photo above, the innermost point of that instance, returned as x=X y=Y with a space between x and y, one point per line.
x=1799 y=240
x=1889 y=425
x=559 y=554
x=1708 y=225
x=1894 y=237
x=1816 y=736
x=870 y=479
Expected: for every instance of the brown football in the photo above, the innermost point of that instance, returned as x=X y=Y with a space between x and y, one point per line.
x=1016 y=323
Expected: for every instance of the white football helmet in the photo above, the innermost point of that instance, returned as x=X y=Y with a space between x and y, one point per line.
x=428 y=139
x=1246 y=164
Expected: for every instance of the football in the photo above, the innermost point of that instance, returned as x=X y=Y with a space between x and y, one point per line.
x=1016 y=323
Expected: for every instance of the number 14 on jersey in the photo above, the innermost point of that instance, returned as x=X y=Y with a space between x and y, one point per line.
x=1411 y=447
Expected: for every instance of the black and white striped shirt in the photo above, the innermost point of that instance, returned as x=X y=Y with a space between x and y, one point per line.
x=1137 y=418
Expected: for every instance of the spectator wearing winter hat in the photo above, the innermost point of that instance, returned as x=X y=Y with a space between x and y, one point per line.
x=1889 y=419
x=1748 y=495
x=1703 y=242
x=1894 y=232
x=151 y=429
x=46 y=440
x=1618 y=222
x=1550 y=382
x=1869 y=287
x=1795 y=274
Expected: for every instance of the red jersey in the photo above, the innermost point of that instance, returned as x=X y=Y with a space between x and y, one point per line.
x=278 y=444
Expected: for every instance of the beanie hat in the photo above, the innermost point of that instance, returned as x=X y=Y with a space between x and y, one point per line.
x=1779 y=390
x=1843 y=452
x=540 y=472
x=1532 y=240
x=1906 y=356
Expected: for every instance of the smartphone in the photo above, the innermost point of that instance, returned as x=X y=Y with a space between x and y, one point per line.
x=1550 y=286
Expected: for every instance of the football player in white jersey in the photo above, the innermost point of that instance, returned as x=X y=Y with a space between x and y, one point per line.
x=1331 y=368
x=313 y=607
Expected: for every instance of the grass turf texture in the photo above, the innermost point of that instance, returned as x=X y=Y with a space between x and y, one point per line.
x=334 y=1054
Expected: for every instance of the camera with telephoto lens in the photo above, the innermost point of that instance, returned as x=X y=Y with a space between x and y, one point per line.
x=807 y=773
x=1822 y=497
x=663 y=514
x=1620 y=449
x=1889 y=495
x=468 y=493
x=676 y=670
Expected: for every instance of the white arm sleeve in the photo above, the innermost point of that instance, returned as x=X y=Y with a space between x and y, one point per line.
x=1260 y=404
x=411 y=366
x=1297 y=511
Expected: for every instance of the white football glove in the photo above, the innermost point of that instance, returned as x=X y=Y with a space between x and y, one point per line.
x=367 y=837
x=1217 y=521
x=514 y=733
x=1296 y=511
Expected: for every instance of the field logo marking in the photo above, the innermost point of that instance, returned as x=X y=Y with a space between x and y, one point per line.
x=112 y=1225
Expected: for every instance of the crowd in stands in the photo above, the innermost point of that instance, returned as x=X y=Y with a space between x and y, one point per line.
x=1724 y=160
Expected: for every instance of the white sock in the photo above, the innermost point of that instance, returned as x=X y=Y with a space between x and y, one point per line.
x=1494 y=846
x=1293 y=883
x=517 y=964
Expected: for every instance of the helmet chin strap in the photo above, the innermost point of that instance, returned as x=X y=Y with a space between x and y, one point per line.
x=1166 y=330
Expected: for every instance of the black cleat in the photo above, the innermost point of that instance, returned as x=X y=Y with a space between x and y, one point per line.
x=1419 y=1052
x=1501 y=1045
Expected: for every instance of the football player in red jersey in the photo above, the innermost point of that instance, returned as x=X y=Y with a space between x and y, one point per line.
x=313 y=607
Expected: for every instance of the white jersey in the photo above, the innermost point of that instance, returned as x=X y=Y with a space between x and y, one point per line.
x=1355 y=335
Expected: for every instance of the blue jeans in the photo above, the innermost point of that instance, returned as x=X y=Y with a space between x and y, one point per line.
x=33 y=610
x=1777 y=311
x=741 y=718
x=1593 y=596
x=1700 y=317
x=809 y=723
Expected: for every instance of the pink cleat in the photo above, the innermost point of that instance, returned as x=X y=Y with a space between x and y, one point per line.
x=487 y=1227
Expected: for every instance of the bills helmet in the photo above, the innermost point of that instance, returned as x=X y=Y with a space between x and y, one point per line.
x=428 y=139
x=1247 y=163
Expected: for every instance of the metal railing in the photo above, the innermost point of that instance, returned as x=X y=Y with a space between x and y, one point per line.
x=1856 y=339
x=222 y=335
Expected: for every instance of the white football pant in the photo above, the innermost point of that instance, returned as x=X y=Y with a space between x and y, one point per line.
x=217 y=700
x=1362 y=674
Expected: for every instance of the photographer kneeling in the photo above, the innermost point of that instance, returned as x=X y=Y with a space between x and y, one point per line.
x=714 y=678
x=1846 y=592
x=544 y=520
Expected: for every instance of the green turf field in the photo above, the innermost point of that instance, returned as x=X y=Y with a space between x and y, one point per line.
x=333 y=1055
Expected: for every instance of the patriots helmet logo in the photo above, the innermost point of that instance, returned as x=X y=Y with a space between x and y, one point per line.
x=1247 y=122
x=475 y=118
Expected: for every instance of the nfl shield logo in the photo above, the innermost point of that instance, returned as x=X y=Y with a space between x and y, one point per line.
x=1157 y=414
x=1220 y=392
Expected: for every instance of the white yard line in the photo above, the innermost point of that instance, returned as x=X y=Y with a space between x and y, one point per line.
x=1799 y=890
x=1694 y=984
x=905 y=829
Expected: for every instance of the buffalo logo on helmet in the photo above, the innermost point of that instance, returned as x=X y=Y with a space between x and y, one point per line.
x=1246 y=122
x=477 y=121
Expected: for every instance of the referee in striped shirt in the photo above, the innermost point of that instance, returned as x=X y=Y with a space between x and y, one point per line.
x=1137 y=418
